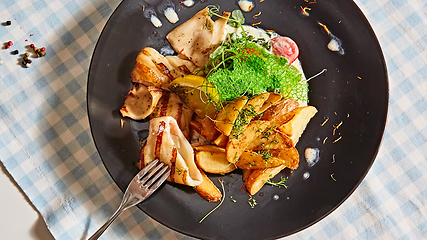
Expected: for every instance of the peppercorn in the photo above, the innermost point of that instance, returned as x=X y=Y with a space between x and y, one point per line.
x=10 y=43
x=43 y=49
x=23 y=62
x=35 y=49
x=27 y=54
x=32 y=45
x=25 y=58
x=15 y=52
x=27 y=65
x=8 y=23
x=42 y=53
x=29 y=61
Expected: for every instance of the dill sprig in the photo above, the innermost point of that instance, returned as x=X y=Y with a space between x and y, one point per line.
x=278 y=184
x=252 y=202
x=222 y=200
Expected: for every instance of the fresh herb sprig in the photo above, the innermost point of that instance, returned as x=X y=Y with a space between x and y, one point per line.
x=278 y=184
x=220 y=203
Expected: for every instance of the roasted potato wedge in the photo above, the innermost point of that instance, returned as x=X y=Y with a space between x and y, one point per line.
x=208 y=190
x=197 y=126
x=246 y=173
x=257 y=178
x=208 y=131
x=295 y=127
x=272 y=99
x=281 y=112
x=214 y=162
x=248 y=112
x=236 y=146
x=205 y=127
x=258 y=101
x=288 y=157
x=221 y=141
x=225 y=118
x=270 y=139
x=210 y=148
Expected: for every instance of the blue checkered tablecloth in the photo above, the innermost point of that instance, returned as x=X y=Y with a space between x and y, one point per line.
x=46 y=144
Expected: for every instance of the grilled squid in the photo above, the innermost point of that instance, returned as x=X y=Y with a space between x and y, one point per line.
x=141 y=101
x=152 y=68
x=171 y=105
x=199 y=36
x=167 y=143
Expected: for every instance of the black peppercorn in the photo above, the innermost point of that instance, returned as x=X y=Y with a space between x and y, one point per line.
x=15 y=52
x=8 y=23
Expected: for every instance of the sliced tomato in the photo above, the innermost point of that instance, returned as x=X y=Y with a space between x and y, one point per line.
x=285 y=47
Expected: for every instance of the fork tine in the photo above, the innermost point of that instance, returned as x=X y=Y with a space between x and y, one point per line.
x=157 y=176
x=145 y=179
x=161 y=180
x=146 y=169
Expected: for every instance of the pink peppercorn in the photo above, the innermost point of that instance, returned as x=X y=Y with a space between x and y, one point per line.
x=10 y=43
x=31 y=45
x=43 y=49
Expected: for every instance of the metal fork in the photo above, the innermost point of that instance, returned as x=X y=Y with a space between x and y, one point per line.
x=137 y=191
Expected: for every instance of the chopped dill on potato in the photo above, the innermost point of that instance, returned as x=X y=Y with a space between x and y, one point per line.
x=242 y=120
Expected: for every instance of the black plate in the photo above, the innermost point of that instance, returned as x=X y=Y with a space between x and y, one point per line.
x=354 y=90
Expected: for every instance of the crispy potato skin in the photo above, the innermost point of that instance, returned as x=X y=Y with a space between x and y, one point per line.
x=207 y=189
x=210 y=148
x=281 y=112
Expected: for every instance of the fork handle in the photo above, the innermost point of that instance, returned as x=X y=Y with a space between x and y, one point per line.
x=98 y=233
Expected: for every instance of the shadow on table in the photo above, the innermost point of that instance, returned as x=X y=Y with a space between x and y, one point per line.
x=39 y=230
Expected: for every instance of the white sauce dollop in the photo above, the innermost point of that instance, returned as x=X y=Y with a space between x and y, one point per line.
x=167 y=51
x=312 y=156
x=155 y=21
x=171 y=15
x=306 y=175
x=246 y=5
x=333 y=45
x=188 y=3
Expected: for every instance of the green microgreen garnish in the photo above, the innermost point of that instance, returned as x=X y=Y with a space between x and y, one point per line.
x=241 y=66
